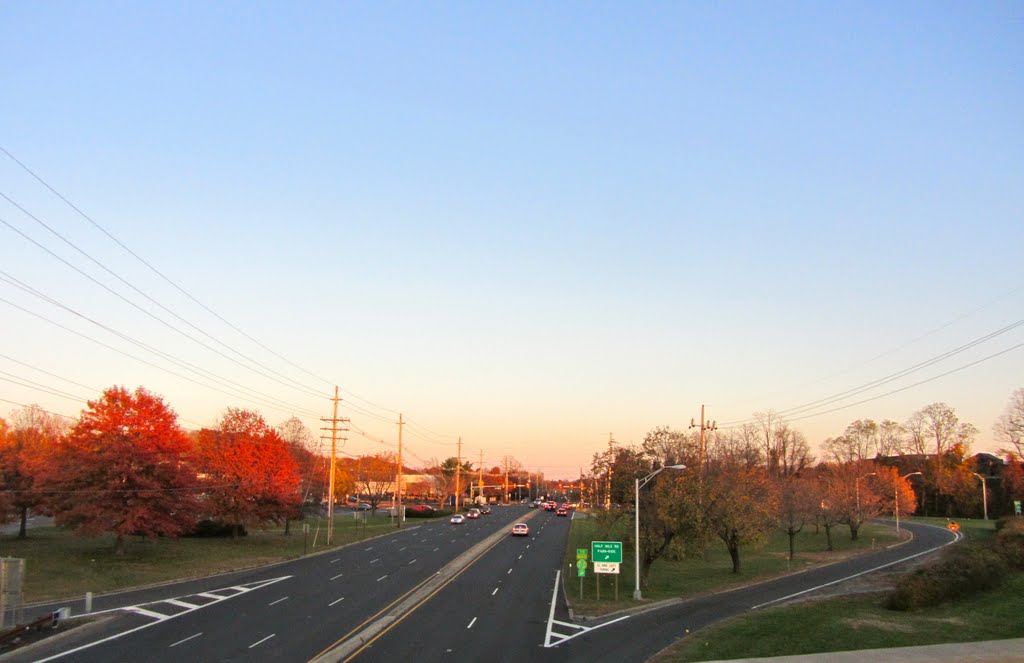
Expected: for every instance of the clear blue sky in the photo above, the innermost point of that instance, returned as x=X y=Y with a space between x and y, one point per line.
x=528 y=224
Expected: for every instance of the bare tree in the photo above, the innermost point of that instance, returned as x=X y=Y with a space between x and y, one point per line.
x=892 y=438
x=1009 y=428
x=792 y=453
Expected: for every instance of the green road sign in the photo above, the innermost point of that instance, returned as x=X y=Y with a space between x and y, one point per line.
x=1016 y=507
x=581 y=553
x=581 y=567
x=606 y=551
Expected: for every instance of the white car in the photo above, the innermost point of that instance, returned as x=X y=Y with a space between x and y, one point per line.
x=457 y=519
x=520 y=529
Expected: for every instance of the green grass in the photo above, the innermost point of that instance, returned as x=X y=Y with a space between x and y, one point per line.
x=691 y=577
x=851 y=623
x=61 y=565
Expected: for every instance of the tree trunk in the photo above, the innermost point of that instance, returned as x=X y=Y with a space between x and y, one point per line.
x=828 y=536
x=287 y=526
x=854 y=531
x=792 y=536
x=23 y=530
x=734 y=553
x=119 y=545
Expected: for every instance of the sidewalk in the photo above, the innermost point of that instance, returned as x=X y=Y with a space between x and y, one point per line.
x=989 y=651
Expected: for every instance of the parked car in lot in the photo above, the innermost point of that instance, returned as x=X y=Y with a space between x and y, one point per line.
x=520 y=529
x=473 y=514
x=362 y=506
x=457 y=519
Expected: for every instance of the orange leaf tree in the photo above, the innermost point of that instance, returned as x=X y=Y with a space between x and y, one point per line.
x=124 y=468
x=252 y=479
x=25 y=453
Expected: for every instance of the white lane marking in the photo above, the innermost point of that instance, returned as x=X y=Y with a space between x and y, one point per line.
x=260 y=642
x=903 y=559
x=241 y=589
x=337 y=601
x=412 y=562
x=471 y=623
x=435 y=549
x=149 y=613
x=182 y=604
x=370 y=548
x=186 y=639
x=495 y=591
x=335 y=560
x=508 y=572
x=210 y=595
x=374 y=560
x=520 y=557
x=558 y=637
x=277 y=601
x=402 y=548
x=381 y=578
x=337 y=576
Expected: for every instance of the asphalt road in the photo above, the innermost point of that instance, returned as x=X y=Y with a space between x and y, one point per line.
x=503 y=606
x=286 y=612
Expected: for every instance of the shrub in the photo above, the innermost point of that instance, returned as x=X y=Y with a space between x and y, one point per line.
x=208 y=528
x=1008 y=542
x=961 y=572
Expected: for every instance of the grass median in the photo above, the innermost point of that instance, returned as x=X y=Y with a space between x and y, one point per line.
x=61 y=565
x=688 y=577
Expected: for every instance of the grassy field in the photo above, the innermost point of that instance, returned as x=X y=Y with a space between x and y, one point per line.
x=859 y=622
x=692 y=577
x=62 y=565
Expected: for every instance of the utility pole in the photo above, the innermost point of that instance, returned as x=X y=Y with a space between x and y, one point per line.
x=711 y=425
x=458 y=475
x=334 y=444
x=506 y=500
x=611 y=458
x=480 y=471
x=398 y=481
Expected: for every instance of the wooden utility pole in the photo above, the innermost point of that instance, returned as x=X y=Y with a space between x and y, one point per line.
x=458 y=475
x=398 y=479
x=611 y=459
x=334 y=445
x=704 y=425
x=480 y=471
x=506 y=500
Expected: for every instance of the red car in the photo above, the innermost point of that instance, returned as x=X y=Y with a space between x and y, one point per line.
x=562 y=511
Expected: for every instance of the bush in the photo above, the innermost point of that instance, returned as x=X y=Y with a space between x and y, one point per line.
x=962 y=572
x=1008 y=542
x=208 y=529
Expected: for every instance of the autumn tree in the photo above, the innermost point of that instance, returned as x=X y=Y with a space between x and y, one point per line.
x=798 y=506
x=741 y=506
x=303 y=448
x=251 y=479
x=896 y=490
x=376 y=477
x=124 y=468
x=6 y=493
x=24 y=454
x=937 y=430
x=1009 y=428
x=444 y=476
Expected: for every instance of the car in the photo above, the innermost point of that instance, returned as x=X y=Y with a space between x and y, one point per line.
x=520 y=529
x=534 y=505
x=362 y=506
x=485 y=510
x=562 y=511
x=422 y=509
x=473 y=514
x=457 y=519
x=549 y=506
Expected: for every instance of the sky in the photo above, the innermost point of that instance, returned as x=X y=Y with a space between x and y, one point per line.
x=529 y=225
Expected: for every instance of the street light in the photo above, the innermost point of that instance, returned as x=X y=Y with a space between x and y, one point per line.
x=898 y=501
x=984 y=494
x=640 y=483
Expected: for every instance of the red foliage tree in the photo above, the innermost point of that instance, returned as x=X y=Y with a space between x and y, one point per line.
x=251 y=476
x=124 y=468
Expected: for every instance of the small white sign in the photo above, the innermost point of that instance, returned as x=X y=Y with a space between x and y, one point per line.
x=606 y=567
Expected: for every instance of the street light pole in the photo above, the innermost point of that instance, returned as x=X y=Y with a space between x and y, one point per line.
x=984 y=494
x=898 y=501
x=640 y=483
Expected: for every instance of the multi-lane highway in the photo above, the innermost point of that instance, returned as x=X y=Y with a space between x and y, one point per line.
x=430 y=591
